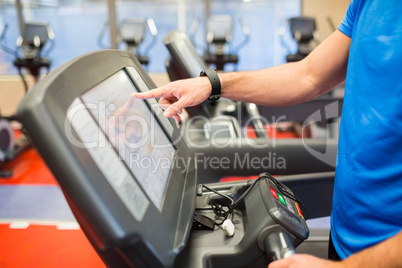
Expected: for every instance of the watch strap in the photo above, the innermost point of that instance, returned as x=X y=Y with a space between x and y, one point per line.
x=215 y=83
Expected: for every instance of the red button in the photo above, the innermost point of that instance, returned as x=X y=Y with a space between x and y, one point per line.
x=273 y=192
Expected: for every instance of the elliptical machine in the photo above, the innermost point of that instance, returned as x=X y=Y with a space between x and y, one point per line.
x=132 y=32
x=219 y=37
x=303 y=31
x=30 y=54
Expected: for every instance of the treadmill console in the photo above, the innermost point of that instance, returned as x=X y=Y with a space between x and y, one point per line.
x=118 y=160
x=268 y=225
x=284 y=207
x=287 y=211
x=131 y=180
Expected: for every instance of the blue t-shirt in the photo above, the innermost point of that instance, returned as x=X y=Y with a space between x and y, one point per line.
x=367 y=203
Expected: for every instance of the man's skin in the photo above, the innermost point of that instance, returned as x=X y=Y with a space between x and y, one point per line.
x=287 y=84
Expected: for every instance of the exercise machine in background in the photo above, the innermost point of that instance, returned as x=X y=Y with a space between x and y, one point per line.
x=185 y=62
x=303 y=31
x=31 y=54
x=32 y=49
x=132 y=34
x=12 y=144
x=6 y=145
x=219 y=36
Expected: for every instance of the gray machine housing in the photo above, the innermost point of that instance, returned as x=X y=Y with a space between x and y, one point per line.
x=259 y=219
x=162 y=237
x=105 y=220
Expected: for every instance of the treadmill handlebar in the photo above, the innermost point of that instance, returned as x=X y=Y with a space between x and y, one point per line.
x=256 y=121
x=278 y=245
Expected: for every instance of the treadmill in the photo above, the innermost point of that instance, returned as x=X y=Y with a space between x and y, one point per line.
x=132 y=183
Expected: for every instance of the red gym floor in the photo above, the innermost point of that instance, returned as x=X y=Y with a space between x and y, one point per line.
x=37 y=228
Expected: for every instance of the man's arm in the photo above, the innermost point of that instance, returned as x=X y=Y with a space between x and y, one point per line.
x=287 y=84
x=385 y=254
x=322 y=70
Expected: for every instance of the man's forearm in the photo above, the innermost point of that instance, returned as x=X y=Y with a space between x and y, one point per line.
x=386 y=254
x=292 y=83
x=282 y=85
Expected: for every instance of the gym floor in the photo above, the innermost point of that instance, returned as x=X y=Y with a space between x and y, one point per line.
x=37 y=227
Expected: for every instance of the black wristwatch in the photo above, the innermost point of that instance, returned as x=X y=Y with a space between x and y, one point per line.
x=215 y=82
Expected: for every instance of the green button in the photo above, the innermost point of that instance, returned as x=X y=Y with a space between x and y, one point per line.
x=282 y=199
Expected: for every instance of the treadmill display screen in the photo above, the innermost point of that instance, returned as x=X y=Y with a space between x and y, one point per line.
x=134 y=134
x=191 y=58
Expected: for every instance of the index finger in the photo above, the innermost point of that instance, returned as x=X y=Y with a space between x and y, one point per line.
x=153 y=93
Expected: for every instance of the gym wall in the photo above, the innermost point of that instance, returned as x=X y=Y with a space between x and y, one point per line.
x=328 y=14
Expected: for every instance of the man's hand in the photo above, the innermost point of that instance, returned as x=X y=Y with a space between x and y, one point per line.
x=177 y=95
x=304 y=261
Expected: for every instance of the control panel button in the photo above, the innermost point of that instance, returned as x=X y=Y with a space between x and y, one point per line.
x=298 y=210
x=293 y=218
x=282 y=199
x=273 y=192
x=289 y=205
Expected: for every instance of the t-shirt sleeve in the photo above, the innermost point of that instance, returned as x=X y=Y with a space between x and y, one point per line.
x=348 y=21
